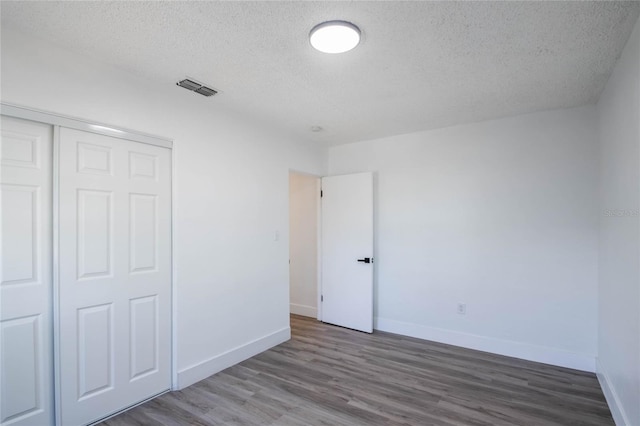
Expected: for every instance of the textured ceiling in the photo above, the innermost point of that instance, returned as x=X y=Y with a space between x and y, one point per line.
x=421 y=65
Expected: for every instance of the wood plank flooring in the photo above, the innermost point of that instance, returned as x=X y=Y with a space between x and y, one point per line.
x=327 y=375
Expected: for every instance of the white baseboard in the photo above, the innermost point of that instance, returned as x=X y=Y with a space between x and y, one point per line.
x=617 y=411
x=202 y=370
x=510 y=348
x=307 y=311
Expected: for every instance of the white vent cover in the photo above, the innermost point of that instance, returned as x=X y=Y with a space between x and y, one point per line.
x=194 y=86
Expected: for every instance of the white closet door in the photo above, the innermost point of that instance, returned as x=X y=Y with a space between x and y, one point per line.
x=115 y=274
x=25 y=285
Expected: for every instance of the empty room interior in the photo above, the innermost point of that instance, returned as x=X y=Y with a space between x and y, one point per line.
x=320 y=213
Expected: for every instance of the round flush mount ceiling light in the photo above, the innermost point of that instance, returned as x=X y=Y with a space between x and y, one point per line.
x=334 y=36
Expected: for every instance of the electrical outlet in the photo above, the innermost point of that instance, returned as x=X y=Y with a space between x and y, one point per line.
x=462 y=308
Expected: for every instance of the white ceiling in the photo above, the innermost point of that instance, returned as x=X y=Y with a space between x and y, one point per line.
x=421 y=65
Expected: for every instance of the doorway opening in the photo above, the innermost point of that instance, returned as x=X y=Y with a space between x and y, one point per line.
x=304 y=232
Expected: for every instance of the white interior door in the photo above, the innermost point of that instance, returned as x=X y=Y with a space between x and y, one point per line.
x=26 y=392
x=115 y=274
x=347 y=251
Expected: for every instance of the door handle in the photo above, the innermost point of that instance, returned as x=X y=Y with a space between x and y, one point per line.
x=365 y=260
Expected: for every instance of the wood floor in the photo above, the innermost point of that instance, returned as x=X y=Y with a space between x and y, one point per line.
x=328 y=375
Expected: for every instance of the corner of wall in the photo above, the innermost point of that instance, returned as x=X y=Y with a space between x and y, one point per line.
x=304 y=310
x=615 y=405
x=213 y=365
x=526 y=351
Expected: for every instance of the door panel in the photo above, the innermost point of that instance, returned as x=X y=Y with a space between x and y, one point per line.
x=20 y=226
x=115 y=274
x=26 y=365
x=95 y=222
x=347 y=235
x=144 y=350
x=21 y=355
x=142 y=244
x=95 y=350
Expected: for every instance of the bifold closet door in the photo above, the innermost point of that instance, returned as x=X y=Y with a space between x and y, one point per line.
x=115 y=274
x=26 y=367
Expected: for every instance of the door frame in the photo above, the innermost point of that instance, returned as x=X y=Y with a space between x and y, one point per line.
x=319 y=240
x=57 y=121
x=318 y=237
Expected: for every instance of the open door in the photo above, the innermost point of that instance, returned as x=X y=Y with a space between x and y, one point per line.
x=347 y=251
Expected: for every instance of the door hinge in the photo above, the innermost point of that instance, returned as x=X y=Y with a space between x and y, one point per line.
x=321 y=298
x=321 y=193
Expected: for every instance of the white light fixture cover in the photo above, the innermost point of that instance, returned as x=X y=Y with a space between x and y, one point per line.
x=334 y=36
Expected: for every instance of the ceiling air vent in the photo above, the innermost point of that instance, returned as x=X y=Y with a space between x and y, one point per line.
x=206 y=91
x=194 y=86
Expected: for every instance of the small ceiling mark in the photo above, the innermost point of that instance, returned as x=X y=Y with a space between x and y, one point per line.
x=316 y=129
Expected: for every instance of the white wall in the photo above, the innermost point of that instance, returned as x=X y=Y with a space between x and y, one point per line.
x=501 y=215
x=303 y=244
x=619 y=286
x=231 y=194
